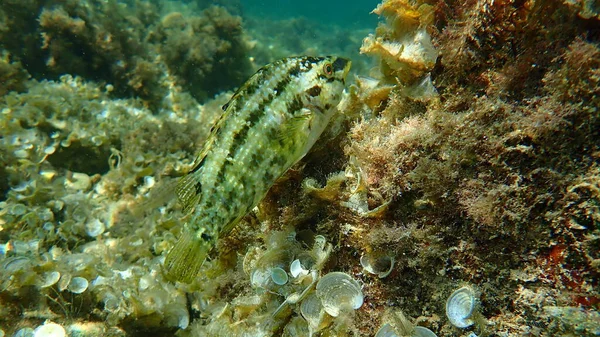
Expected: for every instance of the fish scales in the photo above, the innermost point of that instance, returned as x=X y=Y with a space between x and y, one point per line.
x=268 y=125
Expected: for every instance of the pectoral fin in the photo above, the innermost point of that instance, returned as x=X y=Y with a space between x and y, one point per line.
x=292 y=126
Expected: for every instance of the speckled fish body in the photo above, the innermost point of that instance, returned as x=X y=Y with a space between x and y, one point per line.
x=268 y=125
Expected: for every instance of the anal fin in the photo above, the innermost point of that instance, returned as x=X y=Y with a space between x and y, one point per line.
x=184 y=260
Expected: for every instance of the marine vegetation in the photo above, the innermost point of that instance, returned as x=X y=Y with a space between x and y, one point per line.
x=454 y=192
x=139 y=47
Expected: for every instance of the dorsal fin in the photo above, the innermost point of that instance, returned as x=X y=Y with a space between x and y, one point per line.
x=251 y=81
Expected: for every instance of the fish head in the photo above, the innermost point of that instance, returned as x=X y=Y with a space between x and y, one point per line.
x=324 y=87
x=329 y=83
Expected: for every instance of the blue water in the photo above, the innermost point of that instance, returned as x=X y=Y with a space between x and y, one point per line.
x=340 y=12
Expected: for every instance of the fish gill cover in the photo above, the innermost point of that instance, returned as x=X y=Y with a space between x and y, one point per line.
x=456 y=192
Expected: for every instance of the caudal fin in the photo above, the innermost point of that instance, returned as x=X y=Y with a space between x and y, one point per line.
x=184 y=260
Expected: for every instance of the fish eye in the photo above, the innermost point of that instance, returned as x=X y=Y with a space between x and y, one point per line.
x=328 y=69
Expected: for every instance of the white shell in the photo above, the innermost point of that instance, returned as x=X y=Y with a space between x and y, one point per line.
x=260 y=278
x=25 y=332
x=421 y=331
x=78 y=285
x=78 y=181
x=321 y=249
x=279 y=276
x=64 y=282
x=338 y=292
x=50 y=278
x=50 y=330
x=296 y=269
x=15 y=264
x=460 y=307
x=94 y=228
x=386 y=330
x=312 y=311
x=382 y=265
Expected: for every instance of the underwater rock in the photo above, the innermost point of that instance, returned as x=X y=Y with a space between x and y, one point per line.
x=579 y=319
x=495 y=183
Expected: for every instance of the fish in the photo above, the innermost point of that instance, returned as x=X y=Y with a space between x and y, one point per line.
x=267 y=126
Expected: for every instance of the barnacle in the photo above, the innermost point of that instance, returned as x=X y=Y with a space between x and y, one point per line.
x=64 y=281
x=320 y=252
x=268 y=272
x=330 y=191
x=386 y=330
x=91 y=329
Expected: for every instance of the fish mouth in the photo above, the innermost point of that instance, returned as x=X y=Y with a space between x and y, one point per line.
x=342 y=64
